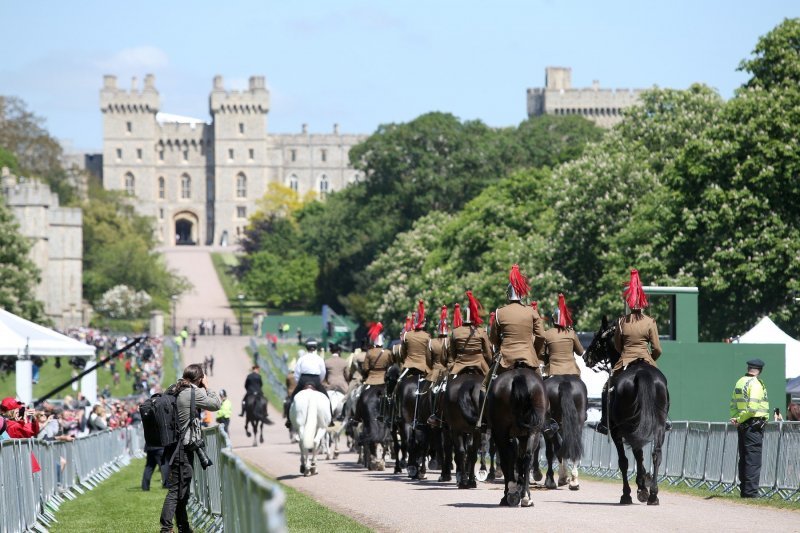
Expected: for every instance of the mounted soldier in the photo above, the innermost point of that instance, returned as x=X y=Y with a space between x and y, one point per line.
x=439 y=350
x=335 y=370
x=561 y=344
x=309 y=372
x=252 y=385
x=370 y=403
x=635 y=338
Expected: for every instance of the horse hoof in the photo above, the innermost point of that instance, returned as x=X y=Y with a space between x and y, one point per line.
x=254 y=445
x=575 y=487
x=642 y=495
x=458 y=478
x=526 y=502
x=398 y=470
x=381 y=466
x=513 y=499
x=625 y=500
x=307 y=474
x=472 y=484
x=247 y=433
x=504 y=502
x=491 y=476
x=482 y=475
x=463 y=486
x=444 y=478
x=313 y=470
x=537 y=475
x=412 y=471
x=652 y=500
x=302 y=469
x=562 y=482
x=550 y=484
x=335 y=455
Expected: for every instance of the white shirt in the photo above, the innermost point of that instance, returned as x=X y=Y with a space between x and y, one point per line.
x=310 y=363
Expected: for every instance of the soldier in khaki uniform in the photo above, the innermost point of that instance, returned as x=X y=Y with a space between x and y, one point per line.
x=378 y=359
x=415 y=352
x=335 y=370
x=561 y=344
x=517 y=332
x=470 y=346
x=636 y=338
x=439 y=350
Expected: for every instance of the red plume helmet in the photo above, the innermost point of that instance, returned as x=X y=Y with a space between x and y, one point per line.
x=519 y=283
x=535 y=305
x=420 y=315
x=475 y=309
x=634 y=293
x=457 y=322
x=443 y=329
x=409 y=325
x=491 y=320
x=374 y=331
x=564 y=316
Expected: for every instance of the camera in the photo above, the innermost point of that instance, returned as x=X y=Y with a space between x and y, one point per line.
x=198 y=447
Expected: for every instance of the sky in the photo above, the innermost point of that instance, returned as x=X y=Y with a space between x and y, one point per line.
x=365 y=63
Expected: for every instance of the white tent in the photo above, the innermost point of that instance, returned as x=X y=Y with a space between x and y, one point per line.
x=24 y=339
x=595 y=381
x=766 y=332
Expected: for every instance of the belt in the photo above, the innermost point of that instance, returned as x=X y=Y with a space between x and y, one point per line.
x=310 y=375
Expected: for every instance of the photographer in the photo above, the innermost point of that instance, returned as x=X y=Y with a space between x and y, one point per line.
x=181 y=455
x=21 y=423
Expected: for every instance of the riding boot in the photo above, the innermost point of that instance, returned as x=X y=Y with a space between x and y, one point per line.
x=434 y=420
x=550 y=428
x=602 y=427
x=286 y=408
x=242 y=413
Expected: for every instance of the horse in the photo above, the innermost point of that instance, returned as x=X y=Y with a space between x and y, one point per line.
x=516 y=405
x=394 y=421
x=310 y=415
x=567 y=397
x=374 y=433
x=462 y=404
x=413 y=397
x=333 y=434
x=637 y=412
x=255 y=410
x=793 y=412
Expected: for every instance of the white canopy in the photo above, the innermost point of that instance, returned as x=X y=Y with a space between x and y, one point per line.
x=766 y=332
x=17 y=333
x=595 y=381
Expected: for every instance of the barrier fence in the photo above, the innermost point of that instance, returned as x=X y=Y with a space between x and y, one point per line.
x=706 y=454
x=267 y=358
x=248 y=503
x=29 y=500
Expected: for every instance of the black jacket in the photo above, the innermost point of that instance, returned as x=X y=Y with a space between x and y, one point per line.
x=253 y=382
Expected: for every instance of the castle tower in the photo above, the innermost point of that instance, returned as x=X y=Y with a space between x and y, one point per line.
x=129 y=133
x=240 y=157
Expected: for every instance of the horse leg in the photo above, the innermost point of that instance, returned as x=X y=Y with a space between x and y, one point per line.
x=625 y=499
x=461 y=460
x=574 y=482
x=657 y=443
x=549 y=481
x=246 y=426
x=494 y=470
x=527 y=458
x=472 y=458
x=506 y=450
x=447 y=456
x=537 y=472
x=641 y=492
x=563 y=476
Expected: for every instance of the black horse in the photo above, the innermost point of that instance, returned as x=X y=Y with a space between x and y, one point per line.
x=462 y=404
x=256 y=416
x=394 y=421
x=413 y=396
x=567 y=398
x=637 y=412
x=517 y=405
x=374 y=431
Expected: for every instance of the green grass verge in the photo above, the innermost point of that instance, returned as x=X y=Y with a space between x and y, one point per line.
x=304 y=513
x=117 y=504
x=272 y=397
x=706 y=494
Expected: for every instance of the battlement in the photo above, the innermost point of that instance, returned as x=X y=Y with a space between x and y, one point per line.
x=254 y=100
x=116 y=100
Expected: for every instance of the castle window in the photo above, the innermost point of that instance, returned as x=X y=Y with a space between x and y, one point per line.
x=293 y=155
x=161 y=213
x=323 y=155
x=323 y=186
x=186 y=186
x=241 y=186
x=230 y=154
x=241 y=211
x=119 y=153
x=139 y=154
x=293 y=183
x=129 y=127
x=130 y=184
x=241 y=127
x=186 y=155
x=161 y=188
x=161 y=155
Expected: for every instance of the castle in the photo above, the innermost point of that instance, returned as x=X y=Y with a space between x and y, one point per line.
x=201 y=181
x=558 y=97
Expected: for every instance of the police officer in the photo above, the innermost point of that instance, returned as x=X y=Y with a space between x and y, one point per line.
x=225 y=410
x=749 y=411
x=310 y=370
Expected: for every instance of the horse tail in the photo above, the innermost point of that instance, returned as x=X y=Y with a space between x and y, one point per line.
x=310 y=424
x=522 y=405
x=645 y=410
x=466 y=405
x=572 y=445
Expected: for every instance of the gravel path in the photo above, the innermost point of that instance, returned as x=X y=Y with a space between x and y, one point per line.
x=387 y=502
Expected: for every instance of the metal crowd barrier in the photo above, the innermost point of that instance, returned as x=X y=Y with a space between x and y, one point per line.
x=269 y=361
x=29 y=500
x=706 y=454
x=228 y=496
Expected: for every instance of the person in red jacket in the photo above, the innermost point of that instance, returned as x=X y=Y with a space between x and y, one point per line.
x=16 y=425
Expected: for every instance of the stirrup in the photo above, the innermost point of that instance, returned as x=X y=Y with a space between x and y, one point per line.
x=602 y=429
x=434 y=421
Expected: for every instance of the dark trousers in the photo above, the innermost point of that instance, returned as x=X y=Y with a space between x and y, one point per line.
x=751 y=435
x=180 y=481
x=224 y=422
x=155 y=457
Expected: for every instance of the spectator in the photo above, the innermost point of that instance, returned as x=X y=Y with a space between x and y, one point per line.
x=155 y=457
x=211 y=364
x=106 y=392
x=225 y=410
x=97 y=421
x=16 y=415
x=3 y=434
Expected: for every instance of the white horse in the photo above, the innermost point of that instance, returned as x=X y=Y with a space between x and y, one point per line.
x=332 y=435
x=310 y=414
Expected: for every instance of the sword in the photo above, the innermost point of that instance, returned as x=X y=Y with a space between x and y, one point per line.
x=492 y=375
x=416 y=403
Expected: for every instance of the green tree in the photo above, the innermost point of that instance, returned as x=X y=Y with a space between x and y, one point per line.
x=18 y=272
x=282 y=281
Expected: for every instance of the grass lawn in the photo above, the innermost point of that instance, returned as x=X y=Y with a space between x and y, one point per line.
x=223 y=262
x=117 y=504
x=681 y=488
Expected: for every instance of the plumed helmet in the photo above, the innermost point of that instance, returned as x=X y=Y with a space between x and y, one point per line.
x=375 y=334
x=518 y=287
x=473 y=310
x=443 y=328
x=457 y=321
x=634 y=294
x=409 y=324
x=563 y=316
x=419 y=323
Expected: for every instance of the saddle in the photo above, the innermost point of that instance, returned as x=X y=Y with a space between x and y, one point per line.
x=521 y=363
x=470 y=370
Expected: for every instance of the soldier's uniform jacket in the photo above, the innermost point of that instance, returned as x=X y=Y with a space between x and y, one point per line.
x=355 y=367
x=335 y=374
x=560 y=344
x=438 y=357
x=636 y=338
x=518 y=334
x=470 y=347
x=415 y=351
x=378 y=360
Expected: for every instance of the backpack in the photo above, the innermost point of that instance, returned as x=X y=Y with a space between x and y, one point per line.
x=160 y=420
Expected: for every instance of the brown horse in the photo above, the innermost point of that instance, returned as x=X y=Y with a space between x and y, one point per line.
x=793 y=412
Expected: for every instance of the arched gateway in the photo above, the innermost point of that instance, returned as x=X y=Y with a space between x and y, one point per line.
x=187 y=230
